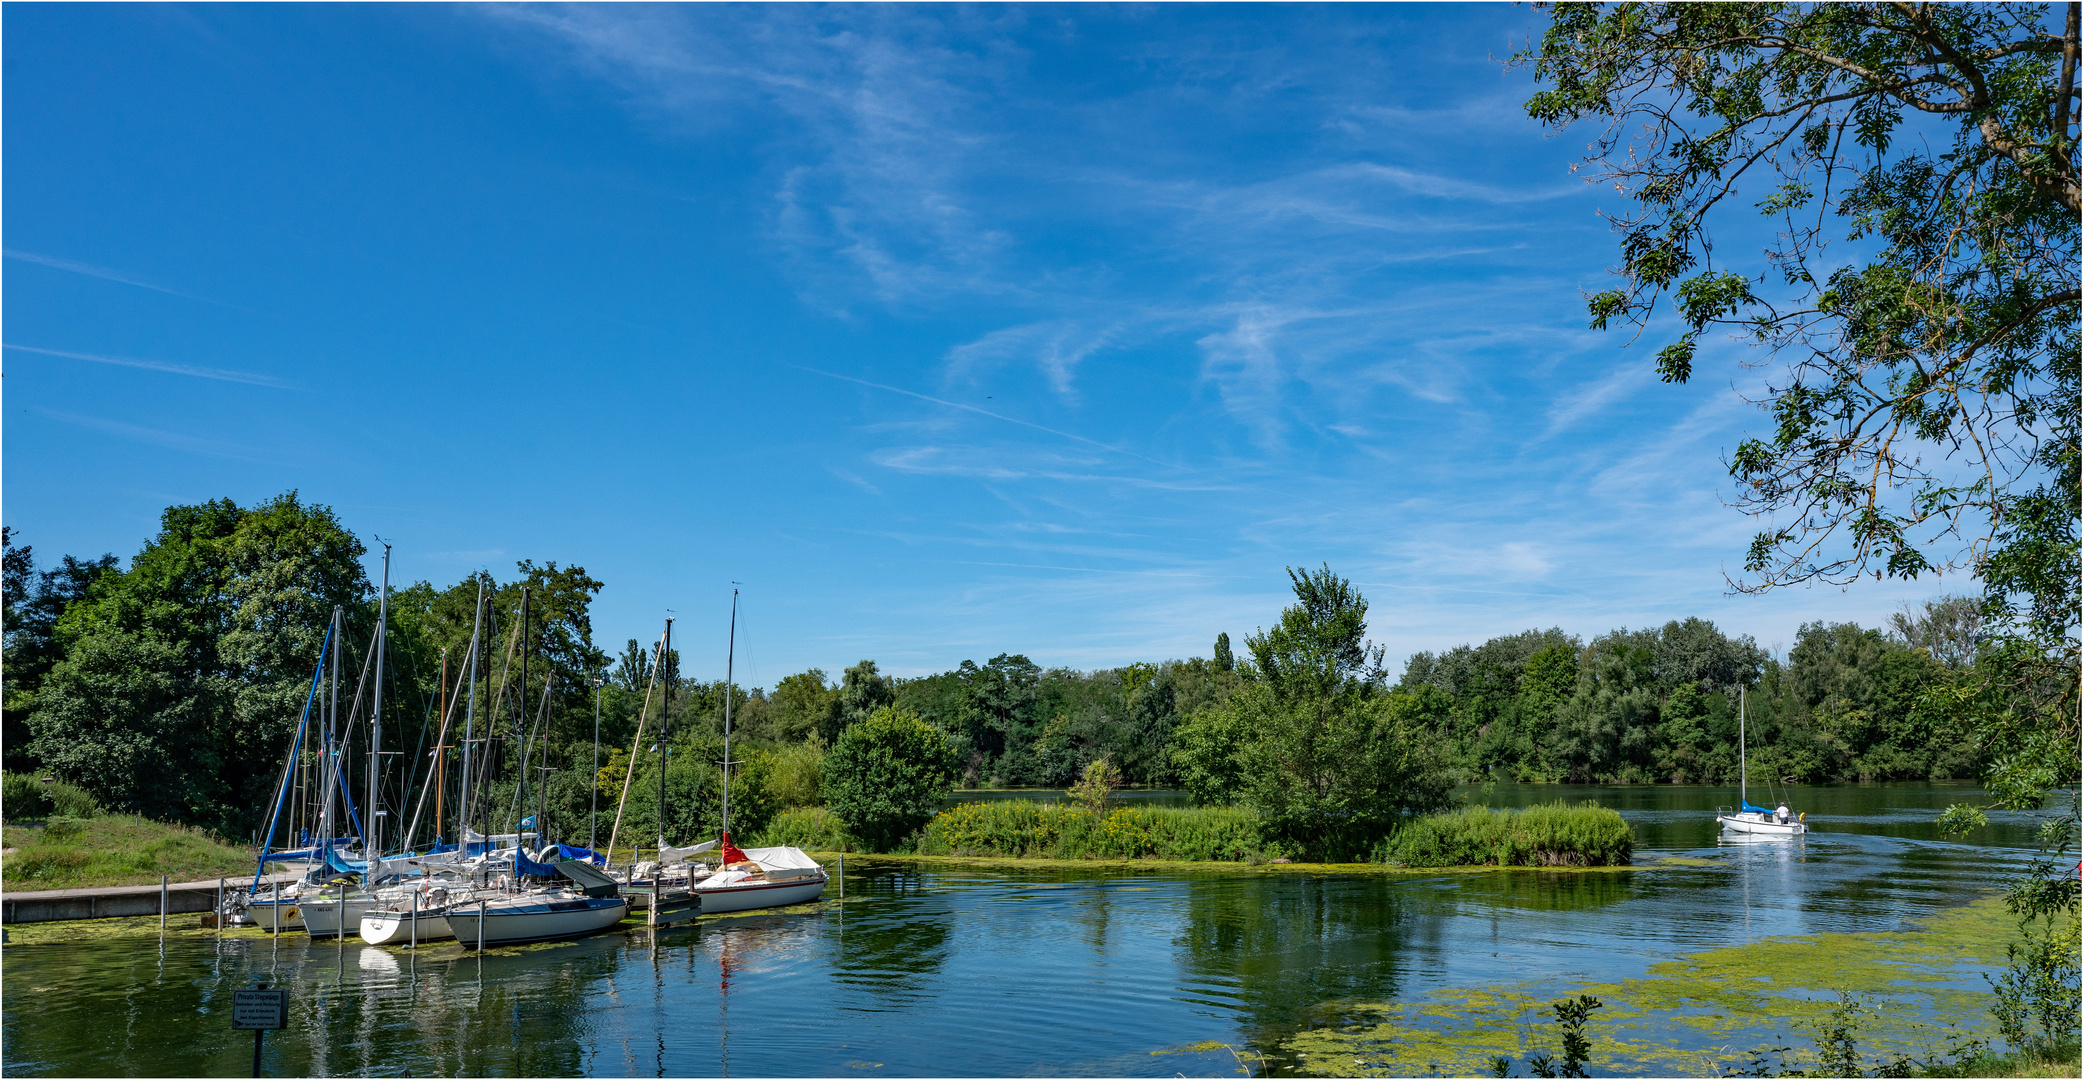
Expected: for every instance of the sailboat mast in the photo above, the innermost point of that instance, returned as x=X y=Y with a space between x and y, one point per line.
x=441 y=752
x=376 y=713
x=1743 y=763
x=470 y=716
x=521 y=726
x=326 y=763
x=665 y=718
x=730 y=656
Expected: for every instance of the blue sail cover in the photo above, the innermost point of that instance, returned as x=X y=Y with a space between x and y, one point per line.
x=567 y=851
x=335 y=862
x=527 y=867
x=1748 y=808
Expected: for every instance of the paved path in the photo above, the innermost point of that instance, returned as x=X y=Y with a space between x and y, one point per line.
x=114 y=901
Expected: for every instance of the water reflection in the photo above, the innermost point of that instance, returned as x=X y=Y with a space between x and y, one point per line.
x=933 y=971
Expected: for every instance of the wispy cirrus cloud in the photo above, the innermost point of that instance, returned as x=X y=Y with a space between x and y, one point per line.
x=219 y=374
x=104 y=273
x=172 y=440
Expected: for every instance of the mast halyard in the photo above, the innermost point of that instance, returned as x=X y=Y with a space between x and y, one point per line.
x=1743 y=762
x=373 y=846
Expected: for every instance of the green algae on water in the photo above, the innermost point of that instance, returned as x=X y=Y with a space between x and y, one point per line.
x=1705 y=1014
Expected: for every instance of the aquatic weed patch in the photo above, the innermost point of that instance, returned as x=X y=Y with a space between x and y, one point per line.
x=1703 y=1014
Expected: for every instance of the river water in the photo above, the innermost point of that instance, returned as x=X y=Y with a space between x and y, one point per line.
x=974 y=971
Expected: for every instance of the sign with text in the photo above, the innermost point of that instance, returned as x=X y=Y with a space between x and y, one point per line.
x=260 y=1010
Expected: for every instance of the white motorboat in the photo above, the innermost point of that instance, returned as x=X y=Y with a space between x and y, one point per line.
x=1755 y=820
x=550 y=915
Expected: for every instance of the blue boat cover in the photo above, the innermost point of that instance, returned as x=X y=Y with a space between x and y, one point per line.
x=567 y=851
x=1748 y=808
x=335 y=862
x=527 y=867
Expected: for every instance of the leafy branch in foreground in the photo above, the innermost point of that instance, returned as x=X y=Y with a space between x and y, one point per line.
x=1924 y=379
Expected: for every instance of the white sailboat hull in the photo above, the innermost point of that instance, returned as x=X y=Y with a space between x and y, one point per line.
x=325 y=916
x=1758 y=825
x=267 y=914
x=396 y=927
x=520 y=924
x=759 y=894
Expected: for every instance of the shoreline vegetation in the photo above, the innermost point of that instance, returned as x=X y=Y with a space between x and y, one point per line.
x=114 y=849
x=1548 y=836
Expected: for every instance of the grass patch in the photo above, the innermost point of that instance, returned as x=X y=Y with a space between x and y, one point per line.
x=1548 y=835
x=83 y=853
x=1022 y=829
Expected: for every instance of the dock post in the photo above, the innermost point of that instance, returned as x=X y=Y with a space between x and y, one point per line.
x=275 y=918
x=162 y=903
x=416 y=919
x=219 y=917
x=842 y=875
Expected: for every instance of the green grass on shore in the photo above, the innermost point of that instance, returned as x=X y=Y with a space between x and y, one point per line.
x=84 y=853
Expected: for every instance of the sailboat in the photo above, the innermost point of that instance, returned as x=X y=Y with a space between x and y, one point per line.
x=1756 y=820
x=759 y=877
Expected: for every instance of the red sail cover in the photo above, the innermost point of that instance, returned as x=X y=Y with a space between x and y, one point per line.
x=731 y=853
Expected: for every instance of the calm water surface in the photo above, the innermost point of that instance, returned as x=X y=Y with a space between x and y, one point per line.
x=969 y=972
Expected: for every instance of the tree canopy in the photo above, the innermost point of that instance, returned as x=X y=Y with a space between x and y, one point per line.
x=1911 y=173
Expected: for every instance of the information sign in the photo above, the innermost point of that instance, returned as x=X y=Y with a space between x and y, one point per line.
x=260 y=1010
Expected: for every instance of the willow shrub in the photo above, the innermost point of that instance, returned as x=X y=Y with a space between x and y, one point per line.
x=1553 y=834
x=812 y=828
x=1022 y=829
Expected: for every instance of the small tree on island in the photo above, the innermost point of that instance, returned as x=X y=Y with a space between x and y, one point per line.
x=887 y=775
x=1315 y=743
x=1096 y=789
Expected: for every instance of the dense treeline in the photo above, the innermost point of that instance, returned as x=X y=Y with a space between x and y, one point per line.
x=171 y=688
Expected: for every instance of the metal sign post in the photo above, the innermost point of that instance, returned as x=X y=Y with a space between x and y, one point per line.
x=259 y=1011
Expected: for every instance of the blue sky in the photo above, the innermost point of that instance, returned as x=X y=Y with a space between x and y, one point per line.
x=946 y=331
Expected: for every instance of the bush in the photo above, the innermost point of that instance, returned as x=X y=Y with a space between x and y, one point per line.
x=1021 y=829
x=797 y=770
x=1550 y=835
x=812 y=828
x=886 y=776
x=24 y=796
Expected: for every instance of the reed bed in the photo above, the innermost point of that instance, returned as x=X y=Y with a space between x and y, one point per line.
x=1021 y=829
x=1554 y=834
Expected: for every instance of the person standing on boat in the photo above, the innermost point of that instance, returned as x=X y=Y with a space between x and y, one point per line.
x=1781 y=813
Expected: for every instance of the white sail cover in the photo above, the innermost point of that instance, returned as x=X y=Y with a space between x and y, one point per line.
x=781 y=858
x=671 y=855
